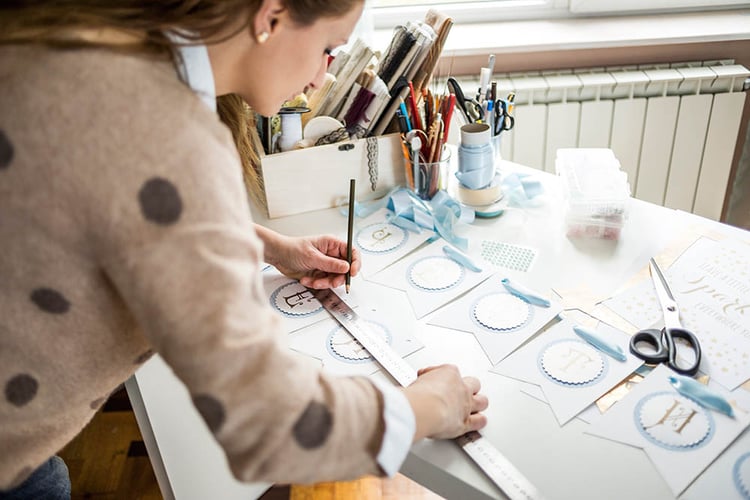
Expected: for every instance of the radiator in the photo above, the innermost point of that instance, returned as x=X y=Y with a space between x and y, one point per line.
x=673 y=128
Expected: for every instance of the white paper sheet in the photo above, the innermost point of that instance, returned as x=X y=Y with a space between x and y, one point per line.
x=430 y=278
x=571 y=373
x=500 y=321
x=680 y=437
x=728 y=477
x=340 y=353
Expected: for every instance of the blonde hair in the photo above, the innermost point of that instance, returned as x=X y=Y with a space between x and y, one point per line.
x=151 y=23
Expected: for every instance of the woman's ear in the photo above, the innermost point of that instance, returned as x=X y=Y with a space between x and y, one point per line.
x=267 y=19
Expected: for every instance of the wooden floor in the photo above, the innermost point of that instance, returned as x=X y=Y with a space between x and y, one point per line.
x=108 y=461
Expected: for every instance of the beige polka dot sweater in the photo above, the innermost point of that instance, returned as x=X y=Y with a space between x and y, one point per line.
x=124 y=230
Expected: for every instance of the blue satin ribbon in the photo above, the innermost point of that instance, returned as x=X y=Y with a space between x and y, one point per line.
x=447 y=212
x=476 y=166
x=441 y=214
x=524 y=293
x=461 y=259
x=701 y=394
x=521 y=189
x=600 y=343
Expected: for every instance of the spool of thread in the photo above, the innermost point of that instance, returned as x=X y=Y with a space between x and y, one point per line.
x=291 y=127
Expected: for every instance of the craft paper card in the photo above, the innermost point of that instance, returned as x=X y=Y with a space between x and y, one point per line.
x=711 y=284
x=430 y=278
x=571 y=372
x=741 y=474
x=728 y=477
x=500 y=321
x=341 y=353
x=679 y=436
x=294 y=303
x=382 y=243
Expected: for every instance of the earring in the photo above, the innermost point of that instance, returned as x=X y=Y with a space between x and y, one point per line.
x=262 y=37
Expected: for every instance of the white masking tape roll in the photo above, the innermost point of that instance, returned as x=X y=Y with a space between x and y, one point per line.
x=481 y=197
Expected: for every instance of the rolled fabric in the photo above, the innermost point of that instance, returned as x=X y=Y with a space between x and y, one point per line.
x=476 y=166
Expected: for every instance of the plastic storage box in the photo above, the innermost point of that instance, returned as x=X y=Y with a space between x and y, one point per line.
x=596 y=192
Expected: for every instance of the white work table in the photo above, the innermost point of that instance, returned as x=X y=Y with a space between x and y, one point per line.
x=562 y=462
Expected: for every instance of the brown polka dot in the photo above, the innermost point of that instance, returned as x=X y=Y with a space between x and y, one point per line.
x=314 y=426
x=21 y=389
x=97 y=403
x=49 y=300
x=6 y=151
x=160 y=201
x=211 y=410
x=144 y=357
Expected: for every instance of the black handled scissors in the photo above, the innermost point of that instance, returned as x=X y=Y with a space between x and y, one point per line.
x=470 y=108
x=662 y=342
x=503 y=118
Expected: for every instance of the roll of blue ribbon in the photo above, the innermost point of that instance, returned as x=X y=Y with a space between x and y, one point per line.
x=476 y=165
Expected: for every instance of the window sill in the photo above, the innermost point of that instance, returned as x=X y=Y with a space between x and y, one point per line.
x=591 y=33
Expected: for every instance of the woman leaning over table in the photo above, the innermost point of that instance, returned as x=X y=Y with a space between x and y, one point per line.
x=126 y=231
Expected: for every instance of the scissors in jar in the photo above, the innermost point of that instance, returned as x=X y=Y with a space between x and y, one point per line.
x=470 y=108
x=503 y=119
x=662 y=342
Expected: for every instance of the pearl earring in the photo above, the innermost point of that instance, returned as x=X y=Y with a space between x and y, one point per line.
x=262 y=37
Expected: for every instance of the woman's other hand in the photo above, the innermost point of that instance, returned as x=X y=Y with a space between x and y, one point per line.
x=445 y=404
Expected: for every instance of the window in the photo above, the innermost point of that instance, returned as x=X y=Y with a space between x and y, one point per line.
x=388 y=13
x=610 y=6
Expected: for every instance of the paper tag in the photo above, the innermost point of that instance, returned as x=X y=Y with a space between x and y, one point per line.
x=435 y=273
x=673 y=421
x=501 y=312
x=343 y=346
x=572 y=362
x=295 y=300
x=381 y=238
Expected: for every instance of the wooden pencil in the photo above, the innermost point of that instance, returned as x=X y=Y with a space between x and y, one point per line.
x=349 y=234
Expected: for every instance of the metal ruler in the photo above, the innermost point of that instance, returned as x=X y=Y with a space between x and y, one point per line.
x=498 y=468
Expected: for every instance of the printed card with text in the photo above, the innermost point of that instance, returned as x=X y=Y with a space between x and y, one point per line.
x=381 y=243
x=431 y=277
x=342 y=354
x=294 y=303
x=571 y=372
x=499 y=320
x=680 y=437
x=711 y=285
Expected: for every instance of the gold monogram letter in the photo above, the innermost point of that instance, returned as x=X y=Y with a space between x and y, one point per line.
x=679 y=420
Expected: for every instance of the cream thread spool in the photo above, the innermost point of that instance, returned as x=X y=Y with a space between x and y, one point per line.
x=291 y=127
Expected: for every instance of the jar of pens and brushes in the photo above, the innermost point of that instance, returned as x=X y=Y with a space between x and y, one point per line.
x=424 y=135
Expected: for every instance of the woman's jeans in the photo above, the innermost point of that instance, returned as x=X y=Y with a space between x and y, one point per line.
x=49 y=482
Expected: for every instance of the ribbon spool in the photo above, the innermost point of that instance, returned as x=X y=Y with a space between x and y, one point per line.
x=476 y=160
